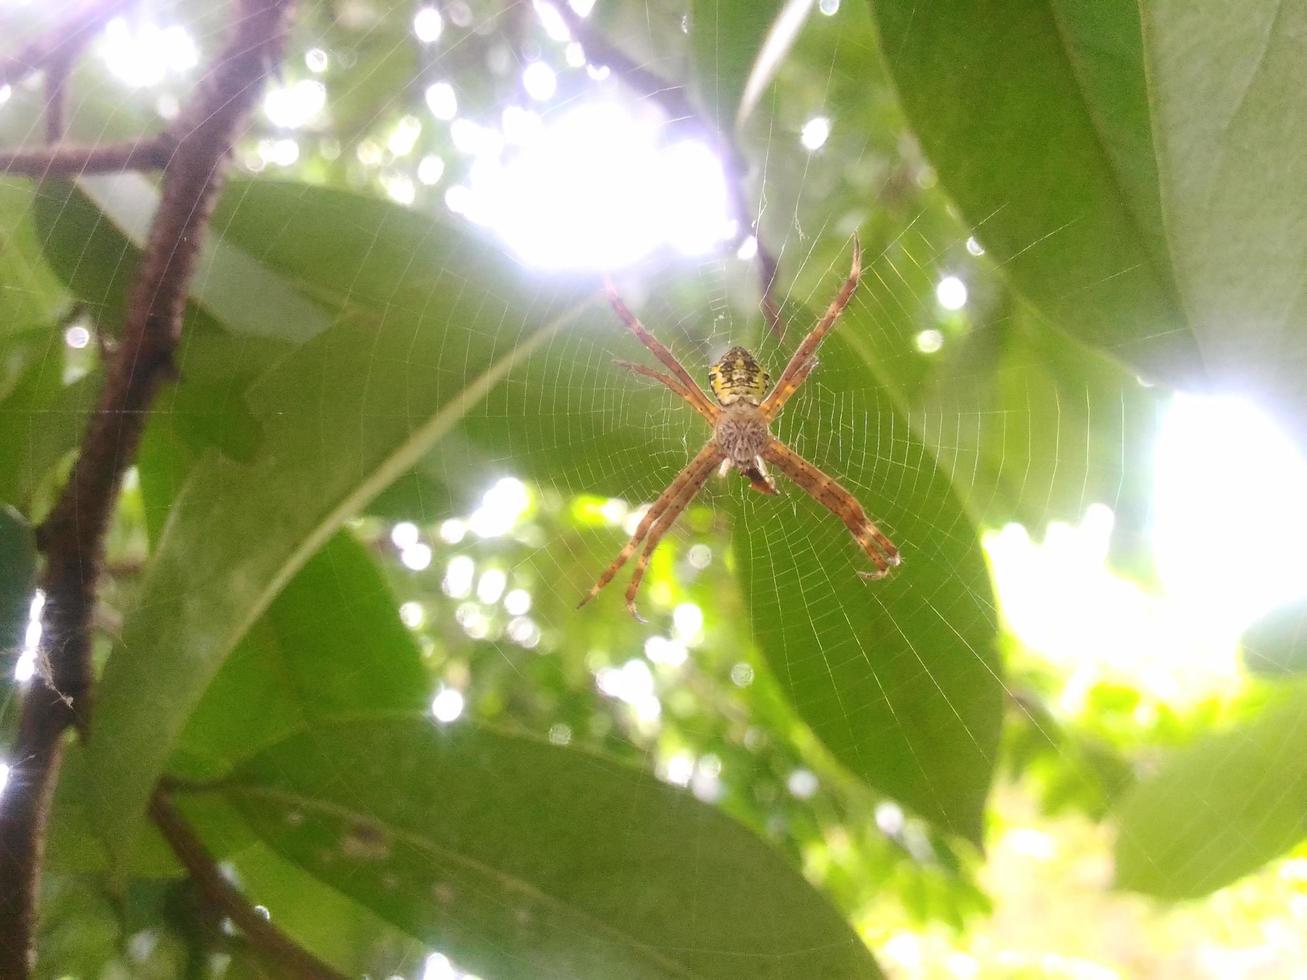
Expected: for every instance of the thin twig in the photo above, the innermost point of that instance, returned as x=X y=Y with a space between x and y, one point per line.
x=74 y=161
x=72 y=537
x=275 y=946
x=63 y=42
x=676 y=103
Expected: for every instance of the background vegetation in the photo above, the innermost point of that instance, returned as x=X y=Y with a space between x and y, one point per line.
x=337 y=616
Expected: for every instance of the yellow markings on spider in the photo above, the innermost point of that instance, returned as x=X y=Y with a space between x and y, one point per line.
x=738 y=376
x=742 y=440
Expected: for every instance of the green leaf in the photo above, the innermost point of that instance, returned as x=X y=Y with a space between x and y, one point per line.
x=30 y=295
x=336 y=928
x=1229 y=98
x=330 y=646
x=93 y=234
x=41 y=421
x=429 y=322
x=522 y=859
x=1218 y=810
x=75 y=844
x=1048 y=427
x=1276 y=645
x=1037 y=117
x=17 y=577
x=900 y=678
x=727 y=37
x=207 y=409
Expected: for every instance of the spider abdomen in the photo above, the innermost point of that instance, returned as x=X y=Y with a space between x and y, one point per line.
x=738 y=377
x=742 y=434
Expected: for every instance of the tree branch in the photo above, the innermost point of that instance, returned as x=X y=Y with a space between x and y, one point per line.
x=278 y=948
x=74 y=161
x=676 y=103
x=72 y=536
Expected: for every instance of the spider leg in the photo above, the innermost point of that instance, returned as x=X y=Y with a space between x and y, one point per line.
x=670 y=382
x=808 y=346
x=774 y=402
x=827 y=492
x=695 y=472
x=669 y=360
x=665 y=522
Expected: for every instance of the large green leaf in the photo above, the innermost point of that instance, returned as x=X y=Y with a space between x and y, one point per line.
x=1219 y=809
x=1276 y=644
x=900 y=678
x=521 y=859
x=41 y=420
x=336 y=928
x=330 y=646
x=1036 y=115
x=1229 y=97
x=1134 y=169
x=30 y=295
x=429 y=322
x=1037 y=427
x=93 y=232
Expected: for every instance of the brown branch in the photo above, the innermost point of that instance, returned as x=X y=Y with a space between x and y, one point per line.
x=275 y=946
x=676 y=103
x=72 y=537
x=74 y=161
x=61 y=44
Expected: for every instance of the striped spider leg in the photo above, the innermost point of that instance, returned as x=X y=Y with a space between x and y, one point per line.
x=742 y=440
x=822 y=488
x=828 y=492
x=657 y=522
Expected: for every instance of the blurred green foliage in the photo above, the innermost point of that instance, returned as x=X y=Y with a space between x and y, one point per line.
x=788 y=761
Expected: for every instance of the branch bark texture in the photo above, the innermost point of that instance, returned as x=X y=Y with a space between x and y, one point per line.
x=291 y=959
x=72 y=537
x=75 y=161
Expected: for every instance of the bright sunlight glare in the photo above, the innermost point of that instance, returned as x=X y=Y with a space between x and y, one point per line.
x=815 y=132
x=501 y=508
x=1230 y=528
x=539 y=81
x=442 y=100
x=552 y=21
x=595 y=188
x=447 y=705
x=296 y=105
x=438 y=967
x=142 y=54
x=1065 y=605
x=427 y=24
x=25 y=665
x=1228 y=532
x=951 y=293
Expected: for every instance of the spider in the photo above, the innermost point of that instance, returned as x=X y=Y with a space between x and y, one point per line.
x=742 y=439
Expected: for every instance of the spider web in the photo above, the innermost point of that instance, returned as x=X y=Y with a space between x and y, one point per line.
x=934 y=388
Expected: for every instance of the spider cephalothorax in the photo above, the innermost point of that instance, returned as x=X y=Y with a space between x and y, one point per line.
x=742 y=439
